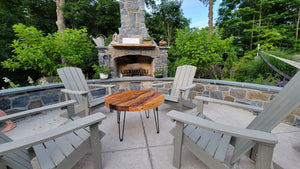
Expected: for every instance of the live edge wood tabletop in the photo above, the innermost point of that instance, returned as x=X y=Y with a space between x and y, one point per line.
x=134 y=100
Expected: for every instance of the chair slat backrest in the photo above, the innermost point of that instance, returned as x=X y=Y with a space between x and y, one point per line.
x=19 y=159
x=73 y=79
x=286 y=101
x=184 y=77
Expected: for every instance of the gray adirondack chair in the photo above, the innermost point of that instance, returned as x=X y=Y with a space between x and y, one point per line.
x=182 y=85
x=61 y=147
x=209 y=141
x=76 y=88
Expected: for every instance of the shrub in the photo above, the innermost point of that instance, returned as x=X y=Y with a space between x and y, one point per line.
x=254 y=69
x=200 y=48
x=35 y=51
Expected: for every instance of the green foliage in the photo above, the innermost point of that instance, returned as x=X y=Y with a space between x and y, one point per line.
x=99 y=17
x=204 y=50
x=35 y=51
x=179 y=61
x=270 y=39
x=147 y=39
x=165 y=18
x=160 y=71
x=11 y=83
x=269 y=23
x=108 y=40
x=270 y=80
x=254 y=69
x=100 y=69
x=40 y=14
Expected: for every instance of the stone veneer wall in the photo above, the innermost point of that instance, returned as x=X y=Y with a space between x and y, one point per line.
x=18 y=99
x=132 y=19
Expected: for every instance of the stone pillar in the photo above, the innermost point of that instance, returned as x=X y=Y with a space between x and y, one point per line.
x=105 y=59
x=132 y=19
x=162 y=60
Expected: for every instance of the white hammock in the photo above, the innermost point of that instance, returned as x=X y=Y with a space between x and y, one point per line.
x=293 y=63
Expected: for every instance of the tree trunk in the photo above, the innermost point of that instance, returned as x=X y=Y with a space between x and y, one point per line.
x=60 y=18
x=297 y=27
x=61 y=26
x=210 y=16
x=253 y=23
x=169 y=33
x=259 y=21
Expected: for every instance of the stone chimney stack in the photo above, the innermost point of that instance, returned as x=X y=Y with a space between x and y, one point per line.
x=133 y=19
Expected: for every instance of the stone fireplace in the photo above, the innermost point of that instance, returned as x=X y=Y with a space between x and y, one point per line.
x=126 y=54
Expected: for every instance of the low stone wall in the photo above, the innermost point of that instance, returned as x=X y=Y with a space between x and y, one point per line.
x=15 y=100
x=24 y=98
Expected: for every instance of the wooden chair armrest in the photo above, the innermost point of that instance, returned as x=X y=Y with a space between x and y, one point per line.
x=106 y=86
x=255 y=135
x=67 y=91
x=37 y=110
x=187 y=87
x=159 y=84
x=48 y=135
x=234 y=104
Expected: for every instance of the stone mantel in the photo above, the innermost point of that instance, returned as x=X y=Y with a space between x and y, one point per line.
x=134 y=46
x=127 y=51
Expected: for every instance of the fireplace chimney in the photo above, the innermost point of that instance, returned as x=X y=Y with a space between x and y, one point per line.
x=132 y=19
x=126 y=54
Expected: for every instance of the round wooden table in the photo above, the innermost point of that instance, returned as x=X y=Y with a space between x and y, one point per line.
x=135 y=100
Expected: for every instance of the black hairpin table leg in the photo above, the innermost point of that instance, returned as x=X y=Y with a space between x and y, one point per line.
x=121 y=135
x=147 y=112
x=156 y=119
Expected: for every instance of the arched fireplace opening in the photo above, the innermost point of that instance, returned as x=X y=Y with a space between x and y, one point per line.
x=134 y=65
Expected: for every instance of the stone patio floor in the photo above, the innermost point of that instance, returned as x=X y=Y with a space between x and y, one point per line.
x=143 y=148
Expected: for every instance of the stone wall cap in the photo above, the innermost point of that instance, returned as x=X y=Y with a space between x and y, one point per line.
x=241 y=84
x=164 y=47
x=29 y=88
x=102 y=47
x=126 y=79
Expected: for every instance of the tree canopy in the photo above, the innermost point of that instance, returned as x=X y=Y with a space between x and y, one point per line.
x=165 y=18
x=269 y=23
x=99 y=17
x=33 y=50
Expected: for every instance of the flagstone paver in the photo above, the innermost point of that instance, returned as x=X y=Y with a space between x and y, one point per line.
x=143 y=148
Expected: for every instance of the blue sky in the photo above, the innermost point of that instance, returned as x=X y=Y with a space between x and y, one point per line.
x=198 y=13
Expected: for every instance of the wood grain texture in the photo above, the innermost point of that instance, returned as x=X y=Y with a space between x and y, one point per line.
x=134 y=100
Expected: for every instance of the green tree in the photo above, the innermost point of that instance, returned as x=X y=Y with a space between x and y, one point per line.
x=202 y=49
x=251 y=22
x=99 y=17
x=41 y=14
x=165 y=19
x=28 y=12
x=35 y=51
x=38 y=13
